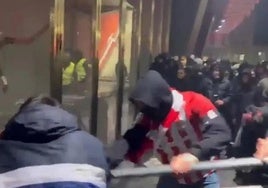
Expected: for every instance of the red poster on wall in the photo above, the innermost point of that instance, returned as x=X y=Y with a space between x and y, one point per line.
x=109 y=36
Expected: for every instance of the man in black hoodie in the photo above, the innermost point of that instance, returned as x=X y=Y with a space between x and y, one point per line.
x=178 y=128
x=220 y=92
x=243 y=95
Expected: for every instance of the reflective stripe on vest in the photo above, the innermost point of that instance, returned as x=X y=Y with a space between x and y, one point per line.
x=67 y=74
x=80 y=70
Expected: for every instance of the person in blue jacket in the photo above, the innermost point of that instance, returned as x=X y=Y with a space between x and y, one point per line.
x=41 y=146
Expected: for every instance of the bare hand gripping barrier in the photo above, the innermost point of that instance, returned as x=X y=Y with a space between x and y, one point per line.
x=226 y=164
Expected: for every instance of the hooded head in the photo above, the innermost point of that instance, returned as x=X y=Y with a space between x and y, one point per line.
x=217 y=71
x=77 y=55
x=152 y=96
x=39 y=120
x=65 y=58
x=162 y=58
x=246 y=76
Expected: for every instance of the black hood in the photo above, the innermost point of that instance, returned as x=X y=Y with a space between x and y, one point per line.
x=154 y=92
x=217 y=67
x=39 y=123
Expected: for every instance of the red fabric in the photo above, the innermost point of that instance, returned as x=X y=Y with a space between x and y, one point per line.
x=164 y=156
x=196 y=107
x=171 y=118
x=197 y=104
x=247 y=118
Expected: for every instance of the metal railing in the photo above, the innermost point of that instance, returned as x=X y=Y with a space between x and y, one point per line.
x=227 y=164
x=250 y=186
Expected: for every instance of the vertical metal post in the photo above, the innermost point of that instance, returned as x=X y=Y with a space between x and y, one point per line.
x=158 y=37
x=57 y=46
x=166 y=26
x=134 y=43
x=151 y=28
x=121 y=55
x=96 y=19
x=139 y=25
x=197 y=25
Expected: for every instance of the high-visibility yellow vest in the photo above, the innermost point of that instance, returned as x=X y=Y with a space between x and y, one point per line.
x=80 y=70
x=68 y=74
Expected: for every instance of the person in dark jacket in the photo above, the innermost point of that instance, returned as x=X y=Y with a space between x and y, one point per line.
x=197 y=81
x=166 y=66
x=180 y=129
x=253 y=131
x=41 y=146
x=161 y=64
x=243 y=95
x=182 y=80
x=261 y=71
x=220 y=92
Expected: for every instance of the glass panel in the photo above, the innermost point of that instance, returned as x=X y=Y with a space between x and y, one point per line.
x=25 y=42
x=76 y=75
x=129 y=65
x=108 y=59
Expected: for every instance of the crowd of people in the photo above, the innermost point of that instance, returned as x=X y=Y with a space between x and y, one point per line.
x=231 y=87
x=239 y=91
x=190 y=110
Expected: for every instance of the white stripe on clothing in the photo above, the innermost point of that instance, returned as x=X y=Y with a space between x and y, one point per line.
x=81 y=173
x=178 y=102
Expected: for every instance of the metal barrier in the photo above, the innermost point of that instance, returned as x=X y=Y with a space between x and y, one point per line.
x=251 y=186
x=207 y=165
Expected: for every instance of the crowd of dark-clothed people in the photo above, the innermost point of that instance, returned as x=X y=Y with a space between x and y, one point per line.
x=238 y=90
x=229 y=85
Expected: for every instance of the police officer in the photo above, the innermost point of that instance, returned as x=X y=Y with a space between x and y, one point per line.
x=67 y=69
x=82 y=66
x=75 y=68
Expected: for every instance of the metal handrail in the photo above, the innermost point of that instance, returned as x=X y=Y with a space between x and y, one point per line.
x=201 y=166
x=250 y=186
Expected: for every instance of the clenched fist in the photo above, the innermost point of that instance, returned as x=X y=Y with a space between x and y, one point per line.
x=261 y=149
x=183 y=163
